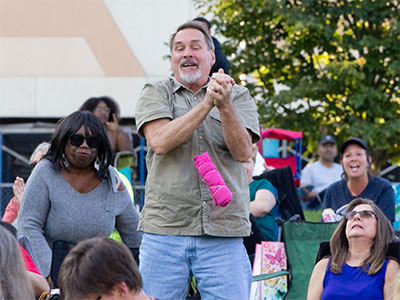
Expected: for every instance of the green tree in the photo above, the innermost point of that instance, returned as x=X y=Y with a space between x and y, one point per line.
x=337 y=60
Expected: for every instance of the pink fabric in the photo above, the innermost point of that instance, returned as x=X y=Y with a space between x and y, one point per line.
x=29 y=264
x=11 y=212
x=211 y=176
x=281 y=134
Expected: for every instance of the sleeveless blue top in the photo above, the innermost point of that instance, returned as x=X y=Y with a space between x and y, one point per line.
x=353 y=283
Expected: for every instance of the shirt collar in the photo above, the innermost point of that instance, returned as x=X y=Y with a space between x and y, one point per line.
x=176 y=85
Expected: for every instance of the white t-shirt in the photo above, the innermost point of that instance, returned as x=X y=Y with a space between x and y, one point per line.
x=320 y=176
x=258 y=165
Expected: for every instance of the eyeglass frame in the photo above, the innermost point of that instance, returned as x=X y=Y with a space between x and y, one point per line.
x=102 y=109
x=361 y=213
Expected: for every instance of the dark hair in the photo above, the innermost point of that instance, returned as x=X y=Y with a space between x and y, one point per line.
x=340 y=245
x=91 y=103
x=193 y=25
x=10 y=228
x=71 y=125
x=94 y=266
x=203 y=20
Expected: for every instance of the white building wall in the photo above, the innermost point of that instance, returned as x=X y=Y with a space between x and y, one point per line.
x=53 y=76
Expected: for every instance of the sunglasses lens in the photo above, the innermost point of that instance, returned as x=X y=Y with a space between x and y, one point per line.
x=76 y=140
x=365 y=214
x=93 y=141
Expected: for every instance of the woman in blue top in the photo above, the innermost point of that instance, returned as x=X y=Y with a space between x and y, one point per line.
x=358 y=268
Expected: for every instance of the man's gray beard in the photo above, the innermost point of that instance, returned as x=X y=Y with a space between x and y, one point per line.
x=191 y=77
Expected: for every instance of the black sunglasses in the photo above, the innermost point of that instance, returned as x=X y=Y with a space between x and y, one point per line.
x=364 y=214
x=77 y=140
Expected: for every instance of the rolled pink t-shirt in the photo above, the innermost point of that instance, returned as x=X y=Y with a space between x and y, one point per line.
x=212 y=177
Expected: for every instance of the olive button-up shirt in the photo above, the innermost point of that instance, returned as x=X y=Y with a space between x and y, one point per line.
x=177 y=200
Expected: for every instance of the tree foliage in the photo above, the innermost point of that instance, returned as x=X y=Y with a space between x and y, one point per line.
x=338 y=62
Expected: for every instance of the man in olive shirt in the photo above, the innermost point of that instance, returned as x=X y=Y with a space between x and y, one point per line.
x=182 y=117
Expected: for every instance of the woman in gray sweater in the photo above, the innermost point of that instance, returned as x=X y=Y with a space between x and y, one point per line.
x=74 y=194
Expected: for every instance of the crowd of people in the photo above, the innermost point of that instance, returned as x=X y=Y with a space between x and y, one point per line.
x=74 y=194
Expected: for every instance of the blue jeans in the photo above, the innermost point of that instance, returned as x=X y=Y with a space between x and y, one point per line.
x=219 y=264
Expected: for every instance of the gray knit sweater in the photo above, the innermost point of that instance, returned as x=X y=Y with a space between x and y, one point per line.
x=51 y=209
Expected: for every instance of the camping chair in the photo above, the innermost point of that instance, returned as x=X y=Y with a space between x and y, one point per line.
x=277 y=158
x=60 y=251
x=282 y=179
x=392 y=252
x=302 y=240
x=126 y=163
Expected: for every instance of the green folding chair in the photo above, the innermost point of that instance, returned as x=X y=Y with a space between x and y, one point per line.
x=302 y=240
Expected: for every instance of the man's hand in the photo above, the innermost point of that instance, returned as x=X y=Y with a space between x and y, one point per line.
x=220 y=88
x=18 y=188
x=113 y=126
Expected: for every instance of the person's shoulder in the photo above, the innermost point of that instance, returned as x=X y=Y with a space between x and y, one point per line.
x=217 y=44
x=392 y=267
x=266 y=182
x=380 y=181
x=316 y=165
x=324 y=261
x=322 y=265
x=393 y=263
x=337 y=166
x=158 y=84
x=44 y=165
x=238 y=90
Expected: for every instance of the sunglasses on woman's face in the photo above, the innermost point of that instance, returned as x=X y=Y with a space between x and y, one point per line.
x=364 y=214
x=77 y=140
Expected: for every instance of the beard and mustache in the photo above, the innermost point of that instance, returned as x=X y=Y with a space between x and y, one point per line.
x=191 y=76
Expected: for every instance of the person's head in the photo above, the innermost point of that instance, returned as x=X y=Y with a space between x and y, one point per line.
x=192 y=55
x=15 y=283
x=363 y=221
x=355 y=159
x=102 y=107
x=327 y=149
x=204 y=22
x=38 y=153
x=79 y=141
x=100 y=267
x=249 y=164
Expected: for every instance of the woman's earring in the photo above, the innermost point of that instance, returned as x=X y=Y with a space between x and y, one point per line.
x=64 y=161
x=97 y=164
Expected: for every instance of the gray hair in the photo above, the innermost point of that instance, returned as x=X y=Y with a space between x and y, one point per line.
x=44 y=147
x=193 y=25
x=15 y=283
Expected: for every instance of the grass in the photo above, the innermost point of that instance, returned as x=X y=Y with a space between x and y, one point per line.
x=312 y=215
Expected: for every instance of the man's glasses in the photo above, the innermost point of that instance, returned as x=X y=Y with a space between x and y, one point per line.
x=364 y=214
x=102 y=109
x=77 y=140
